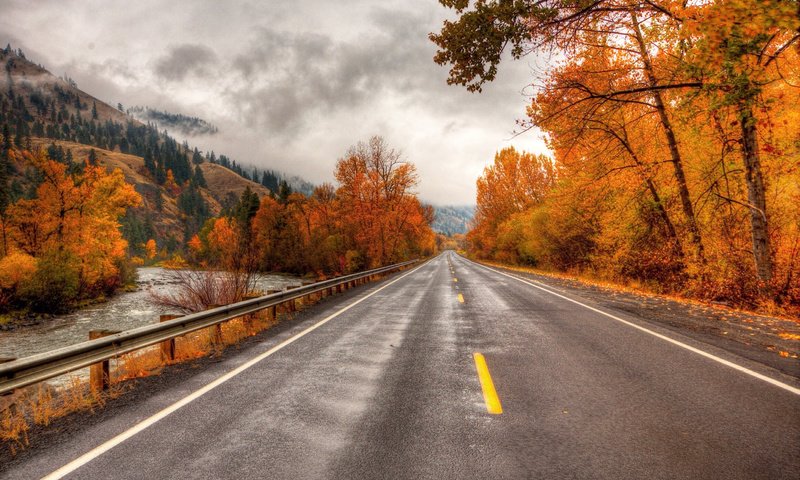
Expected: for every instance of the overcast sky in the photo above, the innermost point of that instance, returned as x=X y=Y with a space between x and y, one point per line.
x=290 y=83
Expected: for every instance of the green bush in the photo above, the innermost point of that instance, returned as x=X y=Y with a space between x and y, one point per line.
x=55 y=285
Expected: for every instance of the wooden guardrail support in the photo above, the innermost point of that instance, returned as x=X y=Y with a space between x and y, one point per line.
x=168 y=346
x=307 y=299
x=6 y=402
x=292 y=303
x=272 y=311
x=250 y=317
x=216 y=337
x=100 y=373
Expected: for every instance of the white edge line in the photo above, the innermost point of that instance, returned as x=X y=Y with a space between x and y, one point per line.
x=139 y=427
x=727 y=363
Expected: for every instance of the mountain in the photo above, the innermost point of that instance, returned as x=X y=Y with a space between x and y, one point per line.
x=451 y=220
x=181 y=187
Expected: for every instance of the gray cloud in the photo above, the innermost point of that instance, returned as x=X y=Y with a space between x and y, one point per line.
x=183 y=60
x=289 y=78
x=290 y=84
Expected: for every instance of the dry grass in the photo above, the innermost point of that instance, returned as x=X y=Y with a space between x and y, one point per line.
x=41 y=404
x=222 y=181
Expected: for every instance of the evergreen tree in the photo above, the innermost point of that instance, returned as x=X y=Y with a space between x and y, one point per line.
x=197 y=159
x=149 y=164
x=194 y=208
x=270 y=180
x=5 y=169
x=6 y=140
x=199 y=178
x=94 y=110
x=161 y=175
x=284 y=190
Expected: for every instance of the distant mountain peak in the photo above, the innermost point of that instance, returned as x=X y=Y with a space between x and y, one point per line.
x=453 y=219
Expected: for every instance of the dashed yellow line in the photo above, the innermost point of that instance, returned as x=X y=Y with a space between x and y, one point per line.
x=455 y=279
x=490 y=397
x=460 y=298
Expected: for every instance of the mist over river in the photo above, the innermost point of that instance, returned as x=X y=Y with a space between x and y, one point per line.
x=121 y=312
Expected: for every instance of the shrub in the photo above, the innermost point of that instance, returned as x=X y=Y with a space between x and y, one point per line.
x=15 y=270
x=54 y=286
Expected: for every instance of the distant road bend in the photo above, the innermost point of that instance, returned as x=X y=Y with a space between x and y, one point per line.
x=453 y=370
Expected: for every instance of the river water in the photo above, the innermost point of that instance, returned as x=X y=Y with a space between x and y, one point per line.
x=121 y=312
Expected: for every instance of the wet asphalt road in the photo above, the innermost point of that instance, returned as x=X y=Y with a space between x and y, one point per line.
x=388 y=389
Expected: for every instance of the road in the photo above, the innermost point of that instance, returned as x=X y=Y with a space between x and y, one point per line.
x=381 y=382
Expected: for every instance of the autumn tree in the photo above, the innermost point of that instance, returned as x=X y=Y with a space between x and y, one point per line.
x=150 y=249
x=376 y=190
x=72 y=227
x=741 y=50
x=514 y=182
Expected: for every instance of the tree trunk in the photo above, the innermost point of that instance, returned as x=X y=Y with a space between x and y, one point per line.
x=762 y=252
x=651 y=187
x=672 y=142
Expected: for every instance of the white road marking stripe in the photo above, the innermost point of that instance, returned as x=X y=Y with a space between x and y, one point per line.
x=727 y=363
x=108 y=445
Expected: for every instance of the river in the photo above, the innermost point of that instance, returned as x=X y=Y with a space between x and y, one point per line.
x=121 y=312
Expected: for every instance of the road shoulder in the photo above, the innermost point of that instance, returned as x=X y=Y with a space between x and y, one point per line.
x=771 y=341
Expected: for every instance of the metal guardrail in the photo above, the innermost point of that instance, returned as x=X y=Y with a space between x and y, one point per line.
x=36 y=368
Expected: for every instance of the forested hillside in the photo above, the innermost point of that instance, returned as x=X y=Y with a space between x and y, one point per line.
x=180 y=186
x=452 y=220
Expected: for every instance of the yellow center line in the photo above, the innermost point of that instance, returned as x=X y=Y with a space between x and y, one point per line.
x=489 y=393
x=460 y=298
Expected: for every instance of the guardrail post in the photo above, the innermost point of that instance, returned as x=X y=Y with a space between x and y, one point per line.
x=6 y=402
x=291 y=303
x=100 y=373
x=248 y=319
x=216 y=337
x=307 y=298
x=168 y=346
x=273 y=310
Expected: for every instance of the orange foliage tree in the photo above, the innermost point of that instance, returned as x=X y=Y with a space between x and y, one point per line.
x=513 y=183
x=72 y=227
x=150 y=249
x=384 y=218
